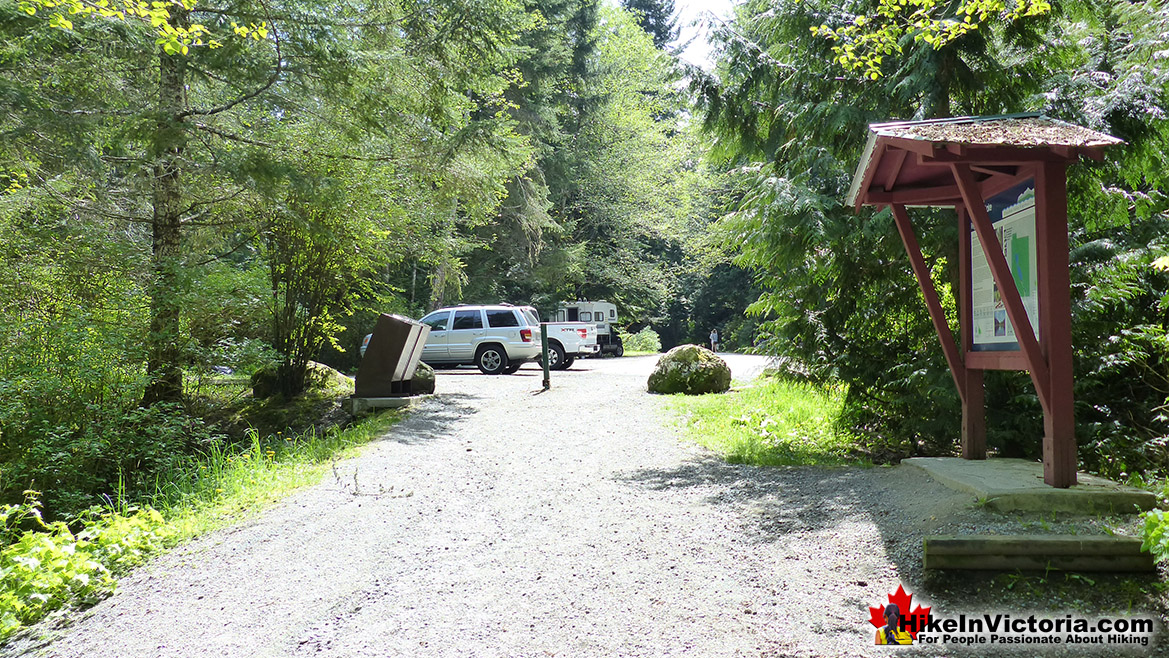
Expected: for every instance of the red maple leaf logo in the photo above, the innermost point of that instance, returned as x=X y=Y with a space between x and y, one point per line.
x=903 y=601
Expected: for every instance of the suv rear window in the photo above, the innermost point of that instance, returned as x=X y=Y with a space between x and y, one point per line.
x=531 y=317
x=502 y=318
x=468 y=320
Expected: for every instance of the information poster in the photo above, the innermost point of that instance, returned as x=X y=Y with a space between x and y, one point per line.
x=1012 y=213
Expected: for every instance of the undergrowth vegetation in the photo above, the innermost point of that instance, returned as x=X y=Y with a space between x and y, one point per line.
x=774 y=422
x=645 y=341
x=48 y=565
x=1155 y=535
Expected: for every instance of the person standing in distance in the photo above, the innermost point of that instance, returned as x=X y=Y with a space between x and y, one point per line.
x=714 y=340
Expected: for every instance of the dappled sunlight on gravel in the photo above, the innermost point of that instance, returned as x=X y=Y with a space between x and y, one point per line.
x=499 y=520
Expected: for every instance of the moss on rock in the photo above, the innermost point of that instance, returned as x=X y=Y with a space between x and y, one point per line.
x=690 y=369
x=423 y=380
x=318 y=378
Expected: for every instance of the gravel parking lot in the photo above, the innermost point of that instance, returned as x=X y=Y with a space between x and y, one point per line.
x=498 y=520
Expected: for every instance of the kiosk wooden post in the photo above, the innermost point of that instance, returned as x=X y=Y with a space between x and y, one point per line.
x=973 y=403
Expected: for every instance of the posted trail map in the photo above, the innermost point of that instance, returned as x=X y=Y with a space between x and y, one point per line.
x=1012 y=213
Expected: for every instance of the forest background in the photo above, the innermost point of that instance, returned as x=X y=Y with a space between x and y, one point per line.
x=246 y=184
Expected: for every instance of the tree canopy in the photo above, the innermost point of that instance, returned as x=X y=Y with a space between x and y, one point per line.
x=837 y=294
x=657 y=17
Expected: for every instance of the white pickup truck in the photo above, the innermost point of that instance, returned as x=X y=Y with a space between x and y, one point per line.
x=567 y=340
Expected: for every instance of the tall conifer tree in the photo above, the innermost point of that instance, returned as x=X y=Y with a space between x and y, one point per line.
x=657 y=17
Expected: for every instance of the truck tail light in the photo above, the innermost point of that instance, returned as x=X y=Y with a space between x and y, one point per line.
x=584 y=333
x=526 y=335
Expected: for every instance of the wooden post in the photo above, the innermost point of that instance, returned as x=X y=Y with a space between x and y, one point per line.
x=544 y=355
x=974 y=404
x=932 y=303
x=1055 y=323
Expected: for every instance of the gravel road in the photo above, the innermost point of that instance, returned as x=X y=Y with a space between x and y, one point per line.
x=497 y=520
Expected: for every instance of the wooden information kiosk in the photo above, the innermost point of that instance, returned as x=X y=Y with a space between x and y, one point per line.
x=1006 y=177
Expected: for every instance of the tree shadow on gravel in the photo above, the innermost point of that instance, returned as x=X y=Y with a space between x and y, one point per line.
x=778 y=504
x=796 y=498
x=433 y=418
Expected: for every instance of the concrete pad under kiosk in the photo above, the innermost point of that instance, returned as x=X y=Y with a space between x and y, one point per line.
x=1016 y=485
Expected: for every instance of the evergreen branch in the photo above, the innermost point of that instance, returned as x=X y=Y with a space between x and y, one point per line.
x=227 y=253
x=299 y=20
x=74 y=204
x=196 y=204
x=276 y=71
x=310 y=152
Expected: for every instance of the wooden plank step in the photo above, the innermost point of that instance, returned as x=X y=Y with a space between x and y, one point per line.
x=1037 y=552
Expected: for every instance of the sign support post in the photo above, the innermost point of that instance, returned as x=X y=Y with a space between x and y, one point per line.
x=544 y=355
x=1055 y=325
x=974 y=403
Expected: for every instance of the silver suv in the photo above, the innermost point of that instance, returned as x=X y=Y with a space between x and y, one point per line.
x=497 y=339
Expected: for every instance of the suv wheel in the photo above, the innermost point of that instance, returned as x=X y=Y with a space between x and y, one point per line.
x=491 y=359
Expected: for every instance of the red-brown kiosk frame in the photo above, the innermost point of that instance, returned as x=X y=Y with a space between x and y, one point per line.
x=963 y=176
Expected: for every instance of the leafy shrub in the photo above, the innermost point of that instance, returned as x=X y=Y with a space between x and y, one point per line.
x=48 y=566
x=1122 y=350
x=224 y=313
x=116 y=452
x=1155 y=535
x=646 y=340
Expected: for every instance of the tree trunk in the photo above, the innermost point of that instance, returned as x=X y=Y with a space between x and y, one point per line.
x=438 y=279
x=438 y=286
x=163 y=368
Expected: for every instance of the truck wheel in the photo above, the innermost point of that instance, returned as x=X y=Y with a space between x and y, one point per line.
x=568 y=362
x=620 y=351
x=491 y=359
x=555 y=356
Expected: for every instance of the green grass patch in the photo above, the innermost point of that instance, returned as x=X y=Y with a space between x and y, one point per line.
x=772 y=423
x=226 y=483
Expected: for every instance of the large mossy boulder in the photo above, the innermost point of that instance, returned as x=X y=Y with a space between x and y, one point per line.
x=423 y=380
x=690 y=369
x=264 y=382
x=318 y=377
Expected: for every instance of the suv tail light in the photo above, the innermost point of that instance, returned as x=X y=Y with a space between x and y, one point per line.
x=526 y=335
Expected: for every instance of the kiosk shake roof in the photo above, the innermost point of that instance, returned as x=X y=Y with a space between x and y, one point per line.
x=1004 y=139
x=1021 y=131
